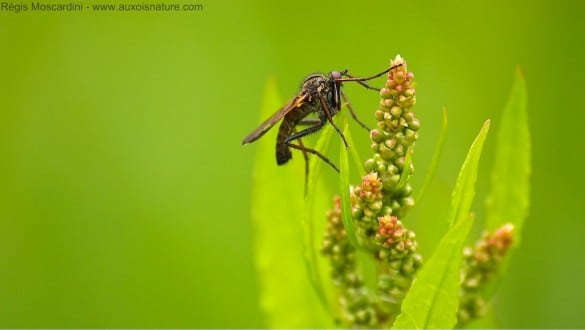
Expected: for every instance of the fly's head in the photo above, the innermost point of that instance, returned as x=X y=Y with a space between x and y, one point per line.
x=335 y=85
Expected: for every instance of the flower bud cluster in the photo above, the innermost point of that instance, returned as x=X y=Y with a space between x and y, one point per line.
x=367 y=206
x=378 y=202
x=397 y=251
x=396 y=132
x=357 y=306
x=480 y=266
x=393 y=284
x=394 y=240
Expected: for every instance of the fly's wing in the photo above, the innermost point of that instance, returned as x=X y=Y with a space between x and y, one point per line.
x=294 y=103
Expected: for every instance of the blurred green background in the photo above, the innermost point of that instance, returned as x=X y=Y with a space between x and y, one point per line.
x=125 y=192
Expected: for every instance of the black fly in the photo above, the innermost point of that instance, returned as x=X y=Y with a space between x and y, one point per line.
x=320 y=94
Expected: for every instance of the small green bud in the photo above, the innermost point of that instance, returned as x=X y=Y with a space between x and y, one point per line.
x=399 y=76
x=406 y=190
x=399 y=149
x=368 y=214
x=379 y=114
x=399 y=135
x=400 y=162
x=387 y=103
x=381 y=167
x=394 y=123
x=390 y=143
x=376 y=206
x=396 y=205
x=385 y=152
x=396 y=111
x=370 y=164
x=390 y=181
x=393 y=169
x=383 y=254
x=403 y=101
x=407 y=202
x=385 y=93
x=402 y=122
x=377 y=136
x=387 y=210
x=409 y=135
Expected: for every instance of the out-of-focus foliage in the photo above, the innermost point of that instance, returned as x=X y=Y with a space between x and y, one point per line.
x=125 y=195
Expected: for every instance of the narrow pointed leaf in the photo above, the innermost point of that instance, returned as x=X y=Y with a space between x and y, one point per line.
x=344 y=191
x=316 y=194
x=355 y=156
x=406 y=169
x=433 y=299
x=508 y=200
x=432 y=170
x=286 y=297
x=460 y=202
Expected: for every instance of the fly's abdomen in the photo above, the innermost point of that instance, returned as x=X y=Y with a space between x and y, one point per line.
x=283 y=153
x=286 y=129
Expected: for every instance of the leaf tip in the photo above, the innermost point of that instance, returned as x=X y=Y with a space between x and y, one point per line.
x=519 y=72
x=444 y=110
x=487 y=123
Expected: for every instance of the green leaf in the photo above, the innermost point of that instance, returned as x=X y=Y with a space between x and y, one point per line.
x=406 y=169
x=286 y=297
x=465 y=185
x=433 y=299
x=346 y=215
x=316 y=194
x=432 y=170
x=508 y=200
x=315 y=163
x=355 y=156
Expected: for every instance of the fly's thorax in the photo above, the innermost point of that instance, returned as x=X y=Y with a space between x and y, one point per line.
x=314 y=82
x=318 y=84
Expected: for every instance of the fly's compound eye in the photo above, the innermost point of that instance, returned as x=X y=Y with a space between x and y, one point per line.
x=335 y=75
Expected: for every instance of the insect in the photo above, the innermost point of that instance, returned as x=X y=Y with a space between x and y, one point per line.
x=320 y=95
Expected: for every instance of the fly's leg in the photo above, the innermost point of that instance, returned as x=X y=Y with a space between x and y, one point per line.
x=305 y=132
x=306 y=156
x=353 y=115
x=362 y=83
x=356 y=79
x=330 y=118
x=314 y=152
x=309 y=122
